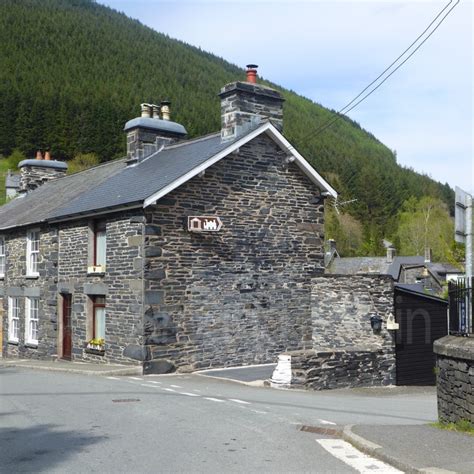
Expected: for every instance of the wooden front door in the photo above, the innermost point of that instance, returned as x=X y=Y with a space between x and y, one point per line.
x=67 y=328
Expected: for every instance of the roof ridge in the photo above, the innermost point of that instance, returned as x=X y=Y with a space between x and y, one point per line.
x=195 y=140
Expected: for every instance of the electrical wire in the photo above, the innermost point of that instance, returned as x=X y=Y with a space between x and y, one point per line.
x=323 y=127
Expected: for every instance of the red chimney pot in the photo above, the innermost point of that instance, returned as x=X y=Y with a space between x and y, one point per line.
x=252 y=73
x=39 y=155
x=47 y=156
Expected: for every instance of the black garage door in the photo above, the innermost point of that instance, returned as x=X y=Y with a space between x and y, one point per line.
x=422 y=319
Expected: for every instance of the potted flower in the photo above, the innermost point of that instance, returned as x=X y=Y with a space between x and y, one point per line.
x=96 y=344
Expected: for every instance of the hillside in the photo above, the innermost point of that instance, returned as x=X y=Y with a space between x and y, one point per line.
x=72 y=72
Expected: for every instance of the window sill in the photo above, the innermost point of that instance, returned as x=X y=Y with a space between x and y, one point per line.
x=13 y=343
x=32 y=277
x=31 y=345
x=94 y=351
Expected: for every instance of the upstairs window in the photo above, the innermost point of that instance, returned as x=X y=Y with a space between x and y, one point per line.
x=2 y=257
x=32 y=317
x=13 y=318
x=100 y=244
x=32 y=252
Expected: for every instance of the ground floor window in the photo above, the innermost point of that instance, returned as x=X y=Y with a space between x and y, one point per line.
x=98 y=317
x=13 y=318
x=32 y=318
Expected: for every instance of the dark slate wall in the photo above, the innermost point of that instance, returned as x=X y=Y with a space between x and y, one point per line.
x=16 y=283
x=241 y=295
x=122 y=285
x=455 y=378
x=342 y=306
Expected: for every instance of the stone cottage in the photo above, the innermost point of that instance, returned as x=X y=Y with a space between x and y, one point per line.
x=185 y=254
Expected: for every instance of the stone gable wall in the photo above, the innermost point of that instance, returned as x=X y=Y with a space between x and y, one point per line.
x=240 y=295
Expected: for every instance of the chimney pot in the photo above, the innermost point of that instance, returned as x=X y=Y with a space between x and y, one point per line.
x=146 y=110
x=156 y=111
x=39 y=155
x=47 y=156
x=165 y=110
x=391 y=252
x=428 y=255
x=252 y=73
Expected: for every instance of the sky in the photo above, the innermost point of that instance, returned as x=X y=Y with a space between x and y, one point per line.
x=329 y=51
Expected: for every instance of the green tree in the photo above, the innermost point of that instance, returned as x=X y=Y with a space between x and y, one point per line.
x=426 y=223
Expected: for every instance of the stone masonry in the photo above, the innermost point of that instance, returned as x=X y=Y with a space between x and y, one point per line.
x=241 y=295
x=321 y=369
x=455 y=378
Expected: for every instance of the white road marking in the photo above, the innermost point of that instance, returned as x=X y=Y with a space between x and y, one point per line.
x=326 y=422
x=113 y=378
x=236 y=400
x=260 y=412
x=196 y=390
x=176 y=386
x=136 y=378
x=188 y=394
x=154 y=381
x=214 y=399
x=359 y=461
x=149 y=386
x=169 y=390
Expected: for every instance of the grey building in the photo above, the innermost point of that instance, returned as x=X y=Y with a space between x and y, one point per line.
x=12 y=184
x=185 y=254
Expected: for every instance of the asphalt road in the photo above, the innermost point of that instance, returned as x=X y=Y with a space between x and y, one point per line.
x=60 y=422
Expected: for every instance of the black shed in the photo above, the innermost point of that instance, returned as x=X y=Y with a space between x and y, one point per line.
x=422 y=319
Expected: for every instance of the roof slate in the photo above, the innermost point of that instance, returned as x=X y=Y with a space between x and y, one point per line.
x=110 y=185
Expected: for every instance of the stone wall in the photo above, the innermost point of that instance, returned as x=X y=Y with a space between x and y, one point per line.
x=240 y=295
x=320 y=369
x=17 y=284
x=121 y=284
x=455 y=378
x=342 y=306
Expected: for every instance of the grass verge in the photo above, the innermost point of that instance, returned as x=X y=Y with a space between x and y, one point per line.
x=461 y=426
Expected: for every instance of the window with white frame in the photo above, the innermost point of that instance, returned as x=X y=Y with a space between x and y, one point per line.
x=32 y=252
x=100 y=244
x=13 y=318
x=2 y=256
x=32 y=317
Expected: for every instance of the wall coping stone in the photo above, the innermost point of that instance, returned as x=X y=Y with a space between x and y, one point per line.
x=455 y=346
x=321 y=351
x=345 y=275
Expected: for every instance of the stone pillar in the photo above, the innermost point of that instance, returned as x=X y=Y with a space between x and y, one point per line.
x=455 y=378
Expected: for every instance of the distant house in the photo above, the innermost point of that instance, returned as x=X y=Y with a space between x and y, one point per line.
x=12 y=184
x=417 y=270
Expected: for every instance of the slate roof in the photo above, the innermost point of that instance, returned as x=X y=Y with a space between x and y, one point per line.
x=113 y=184
x=418 y=290
x=117 y=184
x=376 y=265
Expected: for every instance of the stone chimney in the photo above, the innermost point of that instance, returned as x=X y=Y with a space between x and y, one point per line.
x=150 y=132
x=245 y=104
x=34 y=173
x=428 y=255
x=391 y=253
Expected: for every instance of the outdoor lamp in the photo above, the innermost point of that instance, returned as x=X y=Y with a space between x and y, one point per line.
x=376 y=322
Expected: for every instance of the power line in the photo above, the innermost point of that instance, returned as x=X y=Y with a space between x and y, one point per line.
x=323 y=127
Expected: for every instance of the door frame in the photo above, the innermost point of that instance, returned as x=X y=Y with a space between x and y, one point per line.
x=62 y=297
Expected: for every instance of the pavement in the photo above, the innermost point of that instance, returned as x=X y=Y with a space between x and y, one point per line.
x=390 y=424
x=73 y=367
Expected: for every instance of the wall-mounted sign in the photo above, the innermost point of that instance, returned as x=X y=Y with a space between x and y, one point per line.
x=204 y=224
